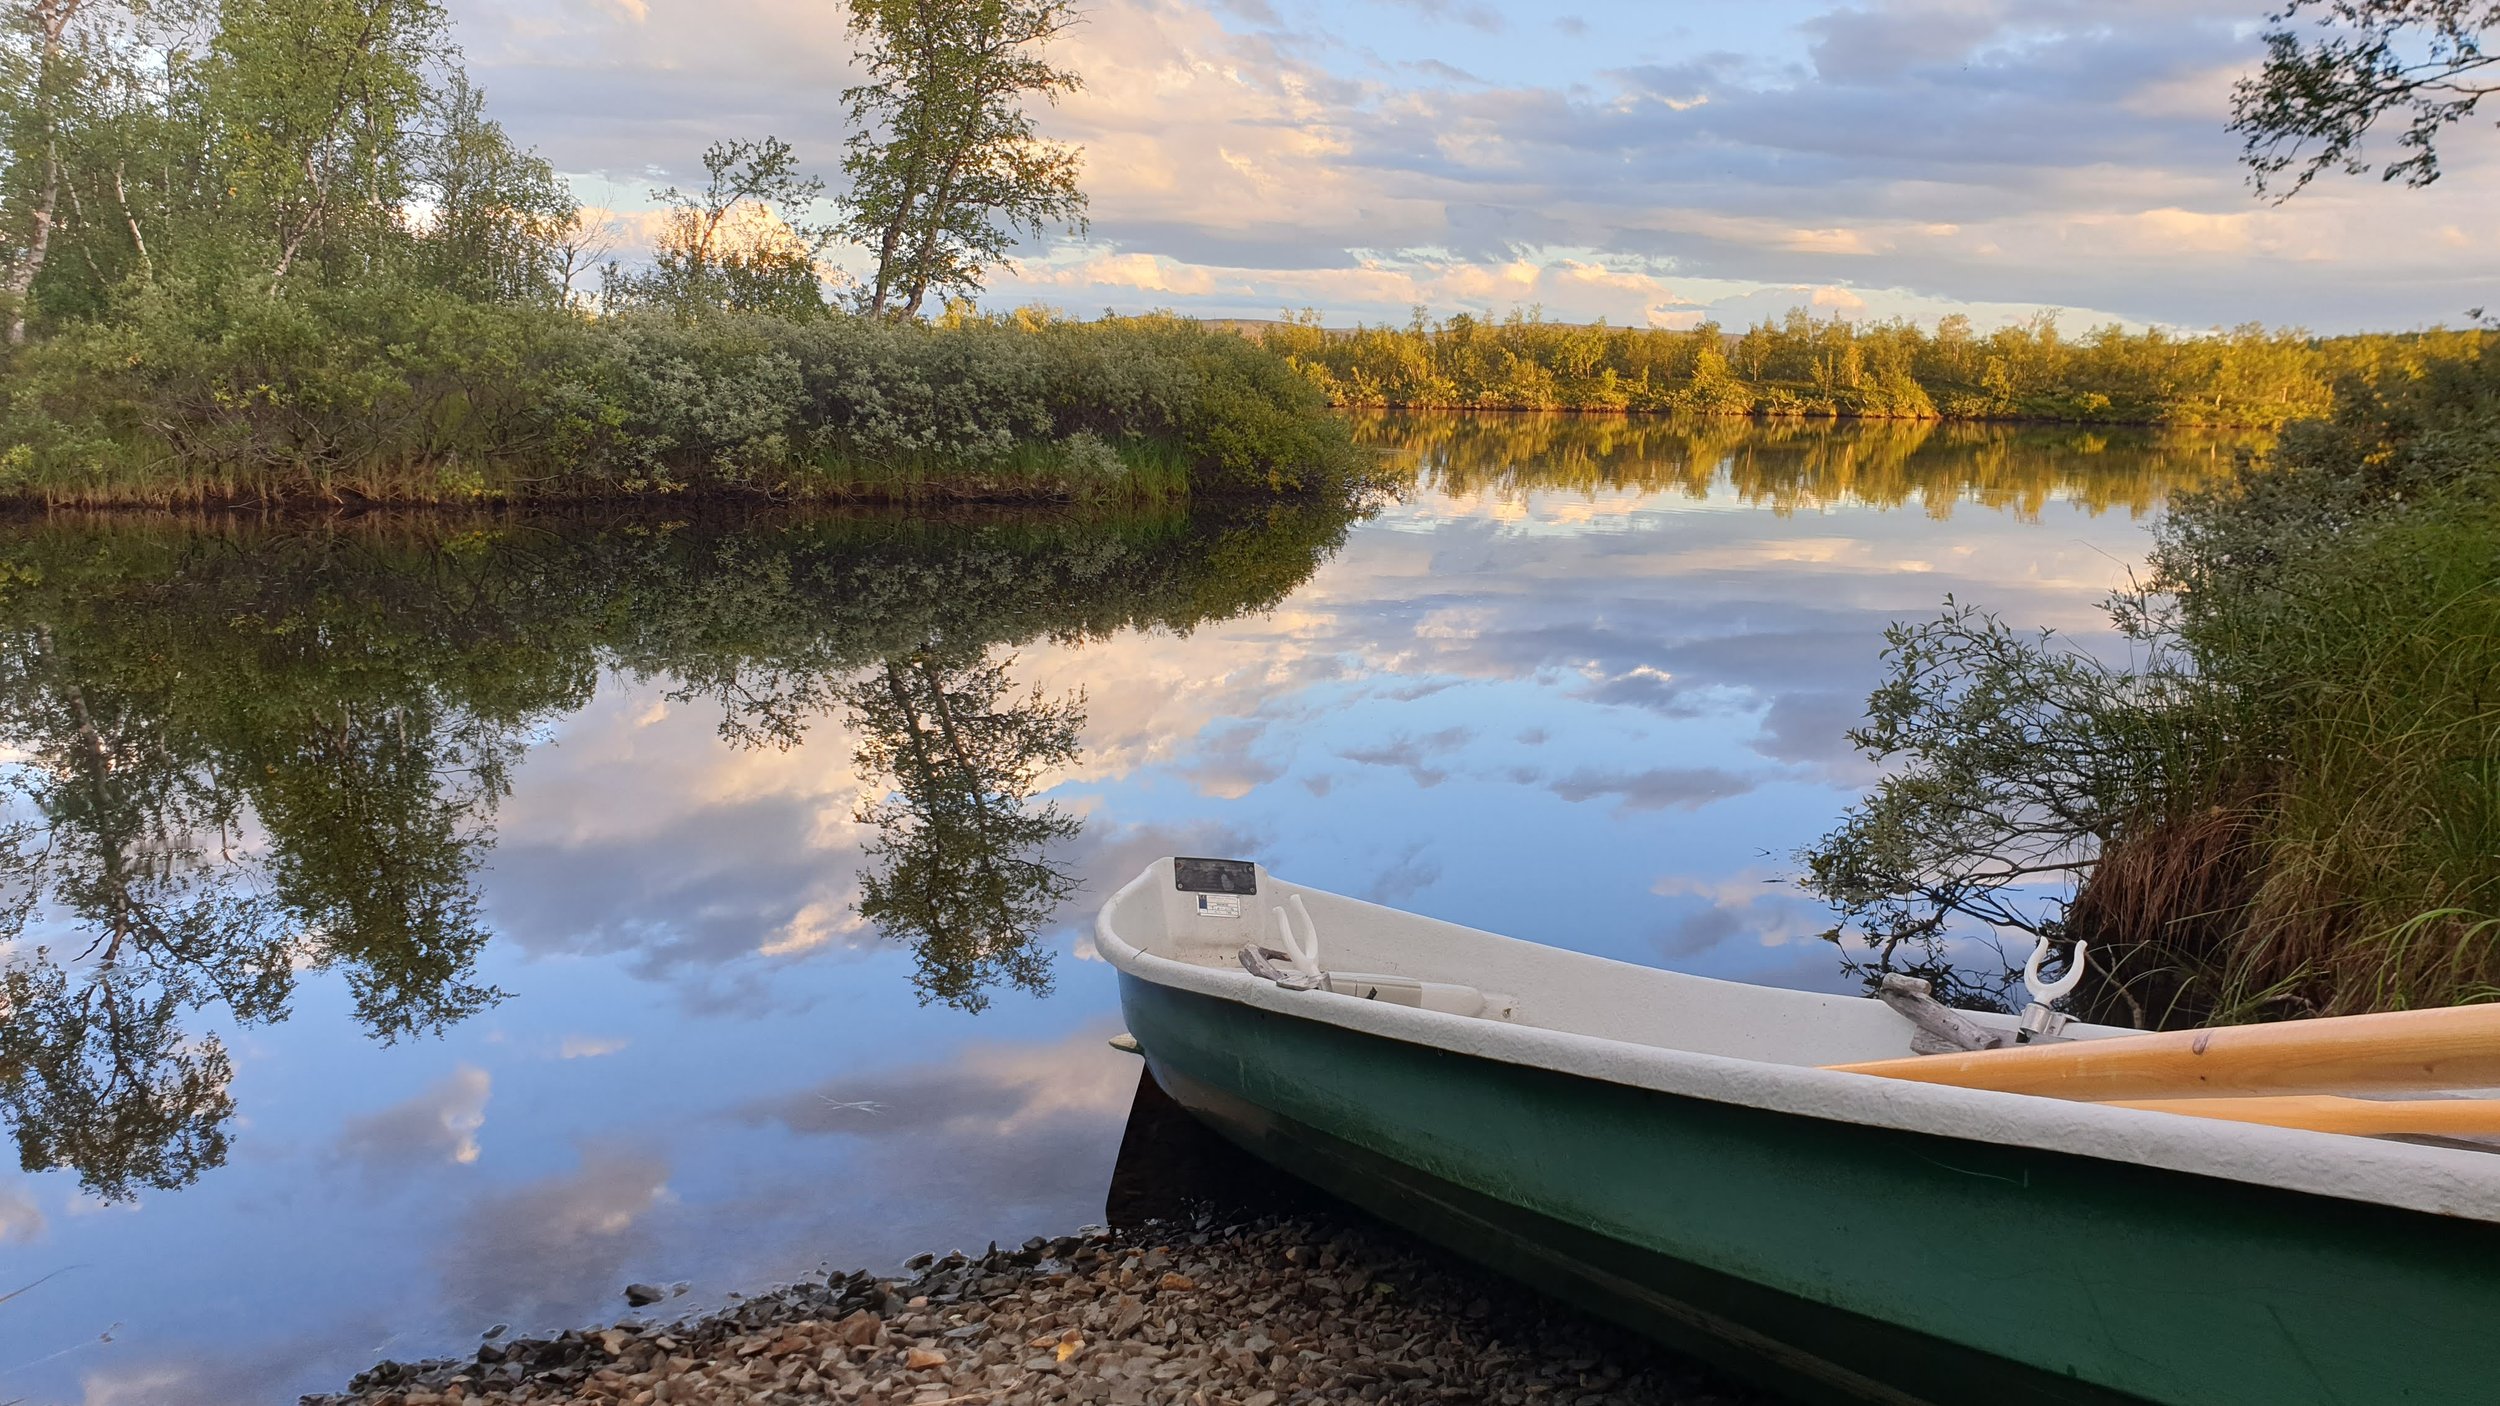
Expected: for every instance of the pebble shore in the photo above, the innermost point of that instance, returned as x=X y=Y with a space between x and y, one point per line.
x=1277 y=1311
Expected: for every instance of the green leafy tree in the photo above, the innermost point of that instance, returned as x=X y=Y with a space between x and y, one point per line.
x=502 y=220
x=315 y=106
x=125 y=157
x=2285 y=803
x=2321 y=90
x=2012 y=760
x=747 y=240
x=944 y=165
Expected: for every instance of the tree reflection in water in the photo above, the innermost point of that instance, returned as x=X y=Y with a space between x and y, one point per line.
x=1801 y=465
x=204 y=865
x=962 y=871
x=232 y=754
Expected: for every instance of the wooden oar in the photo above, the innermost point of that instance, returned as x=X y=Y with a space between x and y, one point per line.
x=2326 y=1113
x=2457 y=1047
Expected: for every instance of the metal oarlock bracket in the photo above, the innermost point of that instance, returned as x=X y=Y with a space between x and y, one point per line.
x=2039 y=1022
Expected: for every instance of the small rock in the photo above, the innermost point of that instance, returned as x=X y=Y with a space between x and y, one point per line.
x=638 y=1295
x=1176 y=1282
x=922 y=1359
x=861 y=1329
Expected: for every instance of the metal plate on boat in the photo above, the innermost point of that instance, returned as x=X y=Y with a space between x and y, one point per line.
x=1215 y=876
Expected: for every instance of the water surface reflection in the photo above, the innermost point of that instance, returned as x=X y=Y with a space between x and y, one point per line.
x=413 y=927
x=1792 y=466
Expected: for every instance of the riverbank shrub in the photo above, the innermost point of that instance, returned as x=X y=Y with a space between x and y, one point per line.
x=2248 y=377
x=393 y=393
x=2288 y=801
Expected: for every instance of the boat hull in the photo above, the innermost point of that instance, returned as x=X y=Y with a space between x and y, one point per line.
x=1845 y=1262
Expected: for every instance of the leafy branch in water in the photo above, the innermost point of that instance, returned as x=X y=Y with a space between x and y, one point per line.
x=2013 y=758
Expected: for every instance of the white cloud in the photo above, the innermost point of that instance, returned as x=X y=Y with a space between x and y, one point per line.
x=535 y=1252
x=1914 y=157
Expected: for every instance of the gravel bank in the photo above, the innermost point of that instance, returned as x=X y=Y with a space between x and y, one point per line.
x=1273 y=1312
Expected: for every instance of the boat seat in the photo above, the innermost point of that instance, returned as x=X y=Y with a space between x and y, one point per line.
x=1449 y=998
x=1297 y=968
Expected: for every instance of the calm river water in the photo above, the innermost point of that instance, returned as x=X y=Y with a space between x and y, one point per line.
x=433 y=925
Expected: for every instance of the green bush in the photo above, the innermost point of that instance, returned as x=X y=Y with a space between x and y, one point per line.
x=206 y=393
x=396 y=393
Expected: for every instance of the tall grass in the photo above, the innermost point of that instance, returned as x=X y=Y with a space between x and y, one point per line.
x=2350 y=860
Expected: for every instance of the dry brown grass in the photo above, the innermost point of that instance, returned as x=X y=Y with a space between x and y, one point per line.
x=2164 y=911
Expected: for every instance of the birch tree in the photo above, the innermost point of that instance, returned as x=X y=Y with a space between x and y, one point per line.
x=502 y=217
x=746 y=240
x=39 y=79
x=944 y=164
x=313 y=103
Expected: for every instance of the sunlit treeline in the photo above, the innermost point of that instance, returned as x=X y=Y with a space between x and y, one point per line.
x=1798 y=366
x=1794 y=465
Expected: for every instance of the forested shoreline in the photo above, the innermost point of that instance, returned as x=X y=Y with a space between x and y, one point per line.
x=1832 y=368
x=262 y=252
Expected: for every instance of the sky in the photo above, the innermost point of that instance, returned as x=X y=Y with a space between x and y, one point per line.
x=1646 y=163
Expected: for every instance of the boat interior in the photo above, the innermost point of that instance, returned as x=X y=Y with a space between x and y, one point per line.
x=1366 y=951
x=2420 y=1076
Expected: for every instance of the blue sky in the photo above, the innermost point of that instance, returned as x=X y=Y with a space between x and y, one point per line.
x=1645 y=163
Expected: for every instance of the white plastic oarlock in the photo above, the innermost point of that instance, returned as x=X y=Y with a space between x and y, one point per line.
x=2039 y=1022
x=1310 y=930
x=1303 y=950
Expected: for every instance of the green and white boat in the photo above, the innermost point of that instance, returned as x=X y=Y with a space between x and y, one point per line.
x=1671 y=1151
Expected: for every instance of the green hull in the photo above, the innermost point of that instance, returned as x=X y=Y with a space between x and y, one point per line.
x=1849 y=1263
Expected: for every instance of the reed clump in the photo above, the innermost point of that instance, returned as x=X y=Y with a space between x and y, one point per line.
x=2293 y=804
